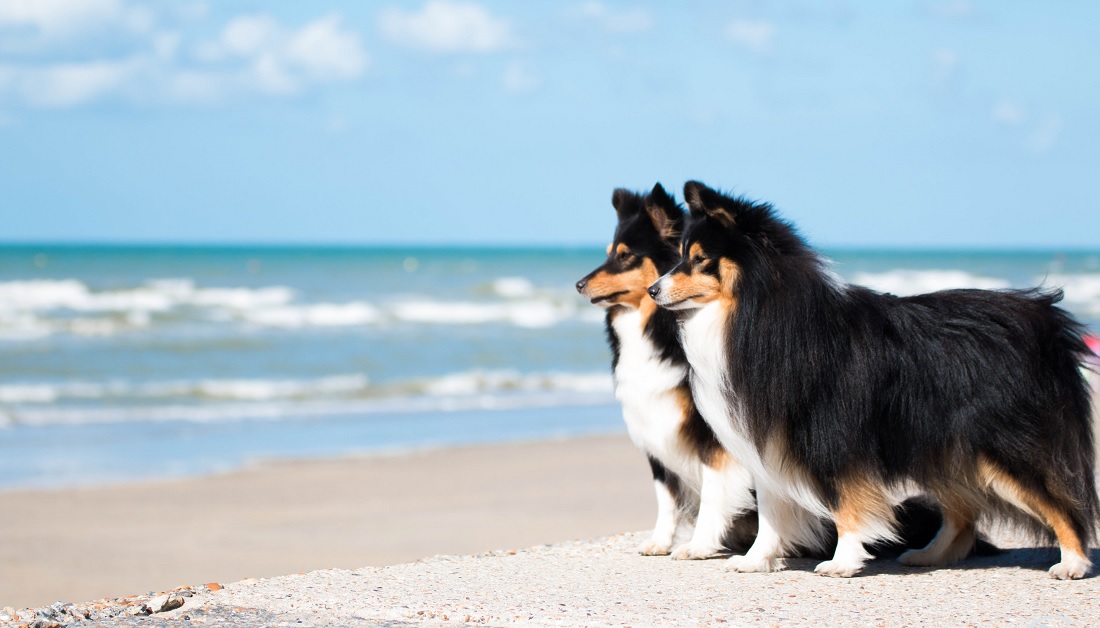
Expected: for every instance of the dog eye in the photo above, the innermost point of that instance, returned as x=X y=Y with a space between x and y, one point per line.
x=698 y=259
x=625 y=257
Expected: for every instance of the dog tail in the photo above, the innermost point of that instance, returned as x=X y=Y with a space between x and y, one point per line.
x=1075 y=441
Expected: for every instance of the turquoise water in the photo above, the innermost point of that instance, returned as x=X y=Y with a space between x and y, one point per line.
x=130 y=362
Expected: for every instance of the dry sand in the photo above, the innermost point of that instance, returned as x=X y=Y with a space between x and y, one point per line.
x=604 y=582
x=291 y=517
x=80 y=544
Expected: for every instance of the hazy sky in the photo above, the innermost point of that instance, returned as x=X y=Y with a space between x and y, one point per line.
x=932 y=123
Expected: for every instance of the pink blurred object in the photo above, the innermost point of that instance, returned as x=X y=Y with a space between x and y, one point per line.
x=1093 y=343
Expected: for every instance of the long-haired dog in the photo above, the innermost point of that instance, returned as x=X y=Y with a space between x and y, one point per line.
x=696 y=481
x=839 y=399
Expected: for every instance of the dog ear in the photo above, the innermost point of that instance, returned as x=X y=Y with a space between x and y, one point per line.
x=666 y=215
x=704 y=201
x=625 y=202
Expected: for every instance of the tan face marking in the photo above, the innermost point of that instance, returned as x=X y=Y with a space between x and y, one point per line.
x=701 y=287
x=609 y=249
x=625 y=288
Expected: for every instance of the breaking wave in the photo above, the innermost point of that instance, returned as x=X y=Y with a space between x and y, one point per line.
x=43 y=403
x=39 y=308
x=910 y=282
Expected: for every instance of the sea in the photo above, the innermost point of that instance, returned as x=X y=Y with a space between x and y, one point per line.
x=122 y=363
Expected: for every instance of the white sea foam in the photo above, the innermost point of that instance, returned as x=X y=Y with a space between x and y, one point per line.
x=513 y=287
x=263 y=390
x=909 y=282
x=225 y=389
x=156 y=295
x=40 y=403
x=39 y=308
x=1082 y=291
x=475 y=382
x=315 y=315
x=533 y=313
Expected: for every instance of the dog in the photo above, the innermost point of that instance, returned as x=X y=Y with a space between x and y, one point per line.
x=697 y=482
x=840 y=399
x=703 y=494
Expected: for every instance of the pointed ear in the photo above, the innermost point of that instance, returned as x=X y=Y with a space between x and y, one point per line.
x=704 y=201
x=625 y=202
x=666 y=215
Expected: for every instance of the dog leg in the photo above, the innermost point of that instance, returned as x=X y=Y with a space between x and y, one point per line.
x=776 y=518
x=954 y=540
x=664 y=530
x=1044 y=507
x=863 y=515
x=724 y=495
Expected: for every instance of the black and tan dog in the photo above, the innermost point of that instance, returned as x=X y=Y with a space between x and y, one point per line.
x=840 y=399
x=697 y=482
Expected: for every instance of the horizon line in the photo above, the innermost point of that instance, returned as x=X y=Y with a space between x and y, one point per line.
x=291 y=245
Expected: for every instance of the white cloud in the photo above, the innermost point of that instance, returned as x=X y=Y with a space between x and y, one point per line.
x=628 y=21
x=251 y=53
x=755 y=35
x=69 y=84
x=447 y=26
x=326 y=51
x=57 y=16
x=250 y=34
x=281 y=60
x=519 y=78
x=1007 y=112
x=28 y=25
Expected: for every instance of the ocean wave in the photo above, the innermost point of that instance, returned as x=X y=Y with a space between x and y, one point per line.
x=316 y=315
x=39 y=403
x=529 y=313
x=155 y=295
x=1082 y=291
x=905 y=282
x=513 y=287
x=40 y=308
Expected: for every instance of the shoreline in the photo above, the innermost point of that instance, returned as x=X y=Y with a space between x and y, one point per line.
x=274 y=518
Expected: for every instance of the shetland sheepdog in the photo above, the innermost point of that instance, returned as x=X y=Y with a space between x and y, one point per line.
x=840 y=399
x=697 y=482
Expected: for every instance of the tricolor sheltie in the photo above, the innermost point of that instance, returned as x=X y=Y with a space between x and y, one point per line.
x=697 y=482
x=840 y=399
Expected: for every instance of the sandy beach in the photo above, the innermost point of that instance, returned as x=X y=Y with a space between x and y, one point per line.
x=533 y=533
x=291 y=517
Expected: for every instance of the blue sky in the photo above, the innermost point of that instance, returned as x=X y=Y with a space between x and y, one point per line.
x=920 y=123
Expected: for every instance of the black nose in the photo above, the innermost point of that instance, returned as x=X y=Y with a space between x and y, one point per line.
x=654 y=291
x=581 y=284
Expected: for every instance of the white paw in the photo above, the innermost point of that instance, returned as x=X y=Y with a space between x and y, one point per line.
x=837 y=569
x=1071 y=568
x=694 y=552
x=654 y=548
x=918 y=558
x=746 y=564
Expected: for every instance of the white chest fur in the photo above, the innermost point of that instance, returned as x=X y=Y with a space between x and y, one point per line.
x=703 y=334
x=646 y=386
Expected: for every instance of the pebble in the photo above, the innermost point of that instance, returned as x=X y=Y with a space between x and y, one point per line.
x=63 y=614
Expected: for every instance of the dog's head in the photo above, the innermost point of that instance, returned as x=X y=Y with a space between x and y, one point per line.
x=723 y=237
x=644 y=247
